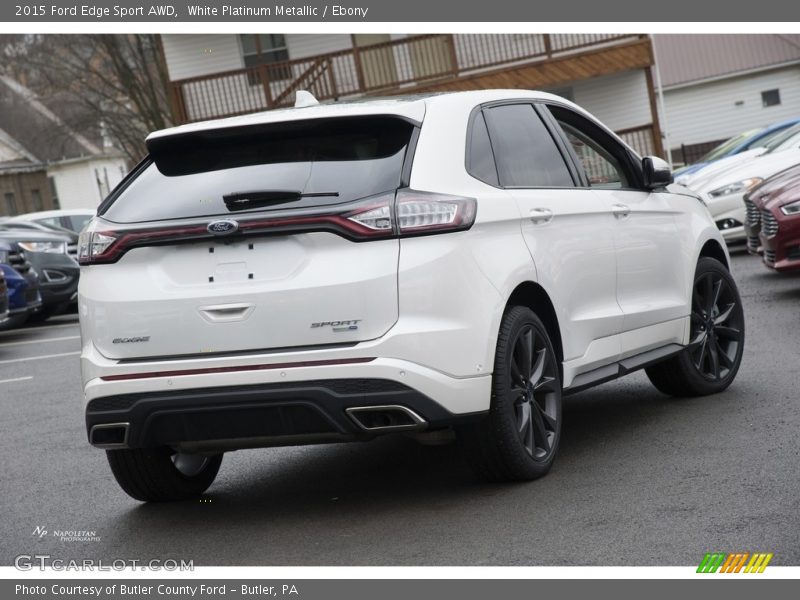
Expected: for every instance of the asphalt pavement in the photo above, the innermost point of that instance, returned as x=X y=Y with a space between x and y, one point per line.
x=641 y=479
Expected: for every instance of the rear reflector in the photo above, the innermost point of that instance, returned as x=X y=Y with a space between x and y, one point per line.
x=237 y=369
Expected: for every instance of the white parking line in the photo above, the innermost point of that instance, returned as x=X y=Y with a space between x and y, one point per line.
x=18 y=360
x=41 y=328
x=16 y=379
x=60 y=339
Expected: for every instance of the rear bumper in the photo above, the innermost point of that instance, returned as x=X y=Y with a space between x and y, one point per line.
x=262 y=415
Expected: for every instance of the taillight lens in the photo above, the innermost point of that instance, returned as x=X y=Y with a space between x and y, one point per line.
x=425 y=212
x=416 y=213
x=93 y=244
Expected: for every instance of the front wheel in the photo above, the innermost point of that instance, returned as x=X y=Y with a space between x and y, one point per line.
x=710 y=362
x=518 y=439
x=162 y=474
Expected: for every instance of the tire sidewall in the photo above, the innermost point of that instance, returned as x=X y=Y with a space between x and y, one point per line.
x=502 y=411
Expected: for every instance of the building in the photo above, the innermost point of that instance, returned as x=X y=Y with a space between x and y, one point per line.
x=24 y=185
x=79 y=172
x=716 y=86
x=226 y=74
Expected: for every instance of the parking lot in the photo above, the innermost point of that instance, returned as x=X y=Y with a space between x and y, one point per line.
x=641 y=479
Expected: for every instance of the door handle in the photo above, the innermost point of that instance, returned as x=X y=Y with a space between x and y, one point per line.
x=541 y=215
x=620 y=211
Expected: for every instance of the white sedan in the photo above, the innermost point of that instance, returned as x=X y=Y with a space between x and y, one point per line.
x=723 y=190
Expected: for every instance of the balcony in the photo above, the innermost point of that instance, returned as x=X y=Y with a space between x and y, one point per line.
x=420 y=63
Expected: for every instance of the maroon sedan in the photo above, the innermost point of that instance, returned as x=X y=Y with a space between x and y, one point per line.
x=756 y=200
x=780 y=228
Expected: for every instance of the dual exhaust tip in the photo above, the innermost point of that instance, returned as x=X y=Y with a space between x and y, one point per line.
x=109 y=435
x=385 y=419
x=375 y=419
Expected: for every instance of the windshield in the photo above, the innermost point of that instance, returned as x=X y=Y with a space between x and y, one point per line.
x=296 y=164
x=789 y=138
x=729 y=145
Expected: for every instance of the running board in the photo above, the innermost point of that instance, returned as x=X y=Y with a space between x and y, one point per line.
x=623 y=367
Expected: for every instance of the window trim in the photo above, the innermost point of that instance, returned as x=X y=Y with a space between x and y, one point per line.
x=628 y=158
x=574 y=174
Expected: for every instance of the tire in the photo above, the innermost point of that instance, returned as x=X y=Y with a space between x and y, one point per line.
x=161 y=475
x=710 y=362
x=518 y=439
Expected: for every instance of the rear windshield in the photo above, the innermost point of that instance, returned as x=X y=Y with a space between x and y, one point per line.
x=281 y=166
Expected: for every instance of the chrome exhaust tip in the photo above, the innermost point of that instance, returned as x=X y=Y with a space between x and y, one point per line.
x=385 y=419
x=109 y=435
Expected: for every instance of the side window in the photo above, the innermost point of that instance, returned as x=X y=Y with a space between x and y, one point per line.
x=526 y=154
x=480 y=159
x=600 y=157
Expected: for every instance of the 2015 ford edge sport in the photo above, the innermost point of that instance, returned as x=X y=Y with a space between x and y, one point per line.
x=428 y=264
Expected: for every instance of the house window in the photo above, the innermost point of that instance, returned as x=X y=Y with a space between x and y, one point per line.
x=36 y=199
x=266 y=49
x=770 y=98
x=11 y=203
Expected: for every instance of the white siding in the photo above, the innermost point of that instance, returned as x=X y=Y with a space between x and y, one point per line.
x=709 y=111
x=77 y=182
x=192 y=55
x=304 y=45
x=620 y=101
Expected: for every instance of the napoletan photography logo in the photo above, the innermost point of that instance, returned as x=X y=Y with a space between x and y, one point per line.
x=66 y=535
x=735 y=562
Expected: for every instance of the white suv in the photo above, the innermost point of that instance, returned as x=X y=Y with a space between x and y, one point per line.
x=429 y=264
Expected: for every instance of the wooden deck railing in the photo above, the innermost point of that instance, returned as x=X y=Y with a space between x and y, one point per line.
x=388 y=67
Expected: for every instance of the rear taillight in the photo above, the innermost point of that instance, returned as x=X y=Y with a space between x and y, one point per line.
x=425 y=212
x=406 y=213
x=417 y=213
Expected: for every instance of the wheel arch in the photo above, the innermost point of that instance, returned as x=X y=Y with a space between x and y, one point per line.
x=713 y=249
x=534 y=296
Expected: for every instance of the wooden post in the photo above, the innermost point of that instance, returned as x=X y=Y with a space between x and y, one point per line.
x=357 y=62
x=658 y=145
x=451 y=43
x=263 y=75
x=548 y=45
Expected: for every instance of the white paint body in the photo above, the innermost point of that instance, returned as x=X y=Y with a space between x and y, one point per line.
x=430 y=307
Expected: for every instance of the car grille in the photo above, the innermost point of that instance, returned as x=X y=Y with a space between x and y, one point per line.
x=769 y=256
x=753 y=243
x=17 y=260
x=769 y=223
x=753 y=214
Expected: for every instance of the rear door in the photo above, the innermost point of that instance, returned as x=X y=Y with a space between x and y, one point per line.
x=283 y=274
x=569 y=231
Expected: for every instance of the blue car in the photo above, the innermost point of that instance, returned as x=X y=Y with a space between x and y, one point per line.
x=4 y=251
x=23 y=295
x=748 y=140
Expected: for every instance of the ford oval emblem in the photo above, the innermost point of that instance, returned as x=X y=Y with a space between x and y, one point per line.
x=224 y=227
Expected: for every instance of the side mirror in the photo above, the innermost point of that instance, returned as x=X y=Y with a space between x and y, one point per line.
x=657 y=173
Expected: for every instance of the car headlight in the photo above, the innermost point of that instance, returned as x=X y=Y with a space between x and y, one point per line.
x=49 y=247
x=735 y=188
x=791 y=209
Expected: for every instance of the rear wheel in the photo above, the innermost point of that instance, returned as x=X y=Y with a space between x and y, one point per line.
x=711 y=360
x=519 y=437
x=163 y=474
